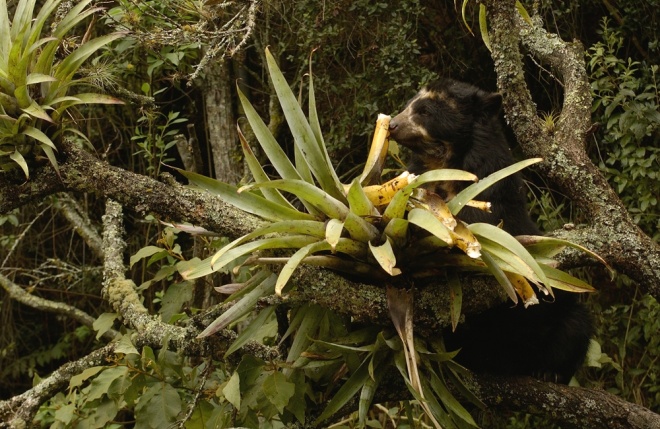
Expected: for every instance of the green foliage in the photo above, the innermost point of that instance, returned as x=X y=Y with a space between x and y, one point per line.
x=33 y=83
x=32 y=363
x=627 y=104
x=155 y=135
x=630 y=338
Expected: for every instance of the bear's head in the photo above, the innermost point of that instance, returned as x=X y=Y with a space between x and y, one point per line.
x=439 y=123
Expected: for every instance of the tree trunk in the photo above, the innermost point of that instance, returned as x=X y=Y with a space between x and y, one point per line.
x=221 y=122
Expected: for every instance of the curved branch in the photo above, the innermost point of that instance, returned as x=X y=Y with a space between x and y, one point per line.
x=612 y=232
x=17 y=293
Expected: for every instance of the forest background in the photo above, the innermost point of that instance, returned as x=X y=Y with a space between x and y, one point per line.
x=176 y=67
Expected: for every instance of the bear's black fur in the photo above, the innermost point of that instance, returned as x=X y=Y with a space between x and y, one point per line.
x=451 y=124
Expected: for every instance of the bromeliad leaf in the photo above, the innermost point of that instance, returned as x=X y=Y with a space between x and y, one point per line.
x=457 y=203
x=245 y=201
x=295 y=260
x=484 y=231
x=241 y=308
x=259 y=174
x=317 y=157
x=302 y=227
x=205 y=267
x=425 y=219
x=326 y=203
x=384 y=255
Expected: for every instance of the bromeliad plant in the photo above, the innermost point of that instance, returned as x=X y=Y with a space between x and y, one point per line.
x=35 y=85
x=383 y=232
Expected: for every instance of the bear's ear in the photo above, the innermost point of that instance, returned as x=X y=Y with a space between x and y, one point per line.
x=491 y=103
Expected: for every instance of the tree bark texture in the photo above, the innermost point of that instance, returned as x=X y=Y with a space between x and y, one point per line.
x=611 y=232
x=221 y=121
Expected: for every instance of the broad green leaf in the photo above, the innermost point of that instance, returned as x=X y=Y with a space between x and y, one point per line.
x=158 y=407
x=308 y=319
x=542 y=246
x=317 y=157
x=242 y=307
x=447 y=399
x=425 y=220
x=232 y=391
x=63 y=103
x=145 y=252
x=397 y=230
x=278 y=390
x=252 y=330
x=34 y=78
x=509 y=261
x=125 y=346
x=34 y=109
x=101 y=383
x=302 y=165
x=38 y=23
x=396 y=209
x=70 y=65
x=430 y=405
x=5 y=38
x=463 y=15
x=174 y=298
x=313 y=115
x=446 y=174
x=38 y=135
x=359 y=229
x=23 y=14
x=51 y=156
x=245 y=201
x=384 y=255
x=74 y=16
x=104 y=323
x=460 y=200
x=368 y=390
x=523 y=12
x=78 y=379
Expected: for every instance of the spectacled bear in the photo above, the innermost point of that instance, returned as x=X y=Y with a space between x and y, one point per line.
x=451 y=124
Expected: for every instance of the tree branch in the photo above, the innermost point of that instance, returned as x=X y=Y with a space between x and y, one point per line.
x=572 y=407
x=612 y=232
x=82 y=172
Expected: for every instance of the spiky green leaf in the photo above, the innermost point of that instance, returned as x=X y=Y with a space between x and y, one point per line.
x=519 y=255
x=241 y=308
x=245 y=201
x=317 y=157
x=460 y=200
